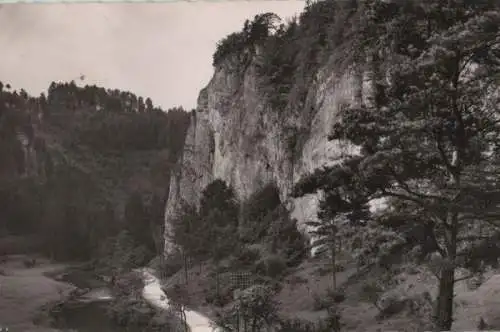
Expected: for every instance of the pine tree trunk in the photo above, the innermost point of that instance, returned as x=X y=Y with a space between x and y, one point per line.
x=444 y=306
x=238 y=321
x=334 y=267
x=186 y=274
x=217 y=286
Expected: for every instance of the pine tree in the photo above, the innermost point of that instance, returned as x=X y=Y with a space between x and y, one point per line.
x=137 y=221
x=428 y=135
x=186 y=233
x=338 y=211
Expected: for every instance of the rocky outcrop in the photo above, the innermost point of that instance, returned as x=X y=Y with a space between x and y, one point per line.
x=237 y=137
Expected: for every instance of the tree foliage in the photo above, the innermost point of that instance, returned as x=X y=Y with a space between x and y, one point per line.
x=253 y=32
x=255 y=309
x=209 y=230
x=258 y=212
x=265 y=219
x=92 y=139
x=429 y=133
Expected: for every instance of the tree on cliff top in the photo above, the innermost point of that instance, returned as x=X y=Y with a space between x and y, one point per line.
x=253 y=32
x=429 y=141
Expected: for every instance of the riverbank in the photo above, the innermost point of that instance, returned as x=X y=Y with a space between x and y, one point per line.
x=25 y=290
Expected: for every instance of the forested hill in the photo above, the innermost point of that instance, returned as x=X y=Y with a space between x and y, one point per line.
x=82 y=163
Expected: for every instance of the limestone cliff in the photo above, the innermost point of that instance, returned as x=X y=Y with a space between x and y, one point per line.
x=236 y=136
x=23 y=150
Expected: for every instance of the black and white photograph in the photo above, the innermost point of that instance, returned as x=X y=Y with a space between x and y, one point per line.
x=250 y=166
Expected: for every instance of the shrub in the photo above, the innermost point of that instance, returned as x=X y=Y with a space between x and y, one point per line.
x=246 y=256
x=171 y=265
x=296 y=325
x=166 y=320
x=262 y=202
x=319 y=302
x=259 y=211
x=371 y=292
x=234 y=43
x=337 y=296
x=224 y=297
x=119 y=253
x=328 y=300
x=128 y=284
x=253 y=32
x=329 y=324
x=272 y=266
x=255 y=305
x=29 y=263
x=157 y=263
x=475 y=282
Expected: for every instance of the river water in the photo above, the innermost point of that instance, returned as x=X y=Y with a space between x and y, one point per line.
x=88 y=315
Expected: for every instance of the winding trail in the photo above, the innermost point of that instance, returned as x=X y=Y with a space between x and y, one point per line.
x=154 y=294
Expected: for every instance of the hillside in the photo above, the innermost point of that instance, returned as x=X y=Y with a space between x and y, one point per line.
x=340 y=173
x=372 y=127
x=72 y=161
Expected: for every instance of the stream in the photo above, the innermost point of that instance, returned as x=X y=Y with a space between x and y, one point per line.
x=89 y=313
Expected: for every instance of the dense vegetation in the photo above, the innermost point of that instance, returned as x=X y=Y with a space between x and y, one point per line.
x=96 y=164
x=260 y=239
x=291 y=53
x=428 y=134
x=428 y=138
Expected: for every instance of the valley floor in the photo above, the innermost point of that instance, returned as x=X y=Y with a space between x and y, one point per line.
x=24 y=291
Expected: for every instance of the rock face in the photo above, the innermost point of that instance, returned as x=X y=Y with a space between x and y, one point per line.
x=236 y=136
x=24 y=154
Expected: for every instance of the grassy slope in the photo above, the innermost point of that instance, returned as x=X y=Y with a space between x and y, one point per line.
x=308 y=280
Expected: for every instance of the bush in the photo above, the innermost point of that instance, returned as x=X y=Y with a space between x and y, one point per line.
x=329 y=324
x=157 y=263
x=272 y=266
x=296 y=325
x=371 y=292
x=119 y=253
x=247 y=256
x=326 y=270
x=128 y=284
x=328 y=300
x=255 y=305
x=222 y=299
x=234 y=43
x=337 y=296
x=258 y=213
x=166 y=320
x=169 y=266
x=29 y=263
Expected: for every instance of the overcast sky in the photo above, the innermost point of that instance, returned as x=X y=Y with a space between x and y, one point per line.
x=162 y=51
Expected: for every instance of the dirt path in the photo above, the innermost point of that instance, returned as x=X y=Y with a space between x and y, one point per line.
x=154 y=294
x=23 y=291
